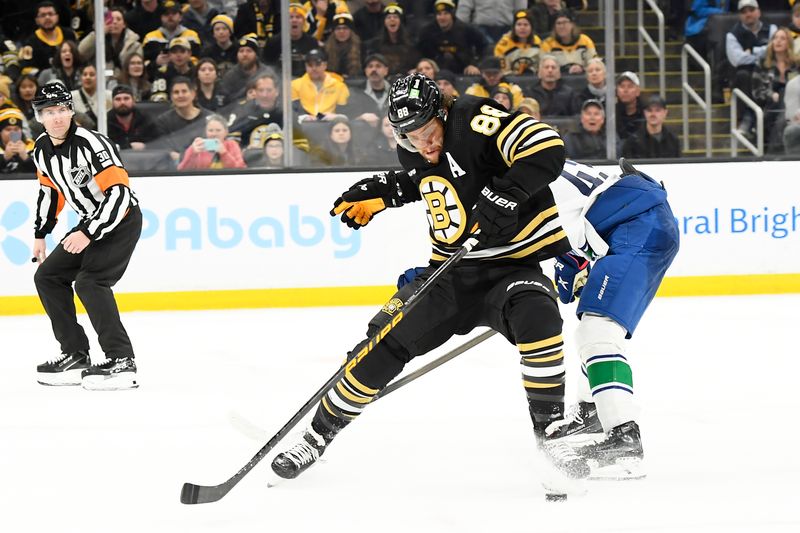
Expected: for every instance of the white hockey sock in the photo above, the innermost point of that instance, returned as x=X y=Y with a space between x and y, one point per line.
x=600 y=342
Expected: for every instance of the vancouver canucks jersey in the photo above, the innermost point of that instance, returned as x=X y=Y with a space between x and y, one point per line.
x=483 y=141
x=591 y=203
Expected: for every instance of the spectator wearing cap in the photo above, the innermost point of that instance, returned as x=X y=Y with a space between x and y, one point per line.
x=544 y=15
x=84 y=101
x=394 y=42
x=746 y=45
x=653 y=140
x=127 y=125
x=221 y=47
x=554 y=96
x=371 y=102
x=369 y=19
x=184 y=122
x=269 y=154
x=446 y=80
x=502 y=95
x=519 y=49
x=299 y=39
x=571 y=48
x=13 y=143
x=317 y=93
x=213 y=150
x=197 y=15
x=453 y=44
x=144 y=17
x=9 y=59
x=343 y=47
x=490 y=17
x=263 y=109
x=595 y=81
x=630 y=112
x=156 y=43
x=38 y=49
x=180 y=64
x=209 y=94
x=589 y=142
x=247 y=68
x=492 y=77
x=121 y=42
x=321 y=14
x=259 y=17
x=530 y=106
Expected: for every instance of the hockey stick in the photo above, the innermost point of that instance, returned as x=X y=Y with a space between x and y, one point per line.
x=253 y=431
x=421 y=371
x=192 y=494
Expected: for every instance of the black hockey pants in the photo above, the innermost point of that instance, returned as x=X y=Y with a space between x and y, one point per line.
x=94 y=271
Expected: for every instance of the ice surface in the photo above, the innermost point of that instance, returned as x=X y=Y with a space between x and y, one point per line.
x=449 y=452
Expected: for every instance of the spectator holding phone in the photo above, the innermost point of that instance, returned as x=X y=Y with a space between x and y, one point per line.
x=14 y=146
x=213 y=151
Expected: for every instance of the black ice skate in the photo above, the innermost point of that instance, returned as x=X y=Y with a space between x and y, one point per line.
x=64 y=370
x=297 y=459
x=580 y=425
x=619 y=456
x=111 y=374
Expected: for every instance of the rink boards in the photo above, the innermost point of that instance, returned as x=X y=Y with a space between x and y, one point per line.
x=238 y=241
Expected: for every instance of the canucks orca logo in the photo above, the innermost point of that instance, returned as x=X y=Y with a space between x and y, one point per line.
x=80 y=176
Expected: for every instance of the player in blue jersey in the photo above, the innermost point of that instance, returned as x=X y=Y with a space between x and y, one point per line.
x=624 y=237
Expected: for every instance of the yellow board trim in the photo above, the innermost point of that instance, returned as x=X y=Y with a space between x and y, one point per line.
x=732 y=285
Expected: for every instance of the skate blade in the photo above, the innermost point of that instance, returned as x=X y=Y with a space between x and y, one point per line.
x=60 y=379
x=124 y=381
x=627 y=469
x=555 y=481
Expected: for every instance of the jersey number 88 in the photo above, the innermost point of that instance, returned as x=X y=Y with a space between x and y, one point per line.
x=487 y=122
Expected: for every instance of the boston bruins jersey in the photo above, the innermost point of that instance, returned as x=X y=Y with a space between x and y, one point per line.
x=483 y=142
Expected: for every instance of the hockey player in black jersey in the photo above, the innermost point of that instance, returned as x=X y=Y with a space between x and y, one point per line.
x=473 y=163
x=82 y=168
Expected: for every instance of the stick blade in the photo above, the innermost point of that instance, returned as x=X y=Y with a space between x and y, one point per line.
x=192 y=494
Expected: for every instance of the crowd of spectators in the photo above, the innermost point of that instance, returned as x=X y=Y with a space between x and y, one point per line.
x=199 y=81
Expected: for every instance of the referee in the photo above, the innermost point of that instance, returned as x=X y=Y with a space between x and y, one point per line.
x=82 y=168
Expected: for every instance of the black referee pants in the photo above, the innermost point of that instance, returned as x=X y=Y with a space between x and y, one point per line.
x=94 y=271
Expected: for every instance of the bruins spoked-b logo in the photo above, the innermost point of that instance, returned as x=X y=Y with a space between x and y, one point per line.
x=80 y=175
x=446 y=215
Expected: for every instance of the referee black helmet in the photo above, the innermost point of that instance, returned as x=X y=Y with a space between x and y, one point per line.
x=50 y=94
x=413 y=101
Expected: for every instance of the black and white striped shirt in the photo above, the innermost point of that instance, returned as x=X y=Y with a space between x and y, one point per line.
x=86 y=172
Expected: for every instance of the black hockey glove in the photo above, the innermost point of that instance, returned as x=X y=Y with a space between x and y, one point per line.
x=497 y=213
x=367 y=198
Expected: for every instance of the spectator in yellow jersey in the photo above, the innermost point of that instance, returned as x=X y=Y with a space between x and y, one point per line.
x=493 y=77
x=321 y=14
x=571 y=48
x=519 y=49
x=156 y=43
x=317 y=93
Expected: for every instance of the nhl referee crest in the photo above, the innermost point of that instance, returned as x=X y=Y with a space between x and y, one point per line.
x=80 y=175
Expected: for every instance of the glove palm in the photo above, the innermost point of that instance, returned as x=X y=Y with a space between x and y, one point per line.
x=367 y=198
